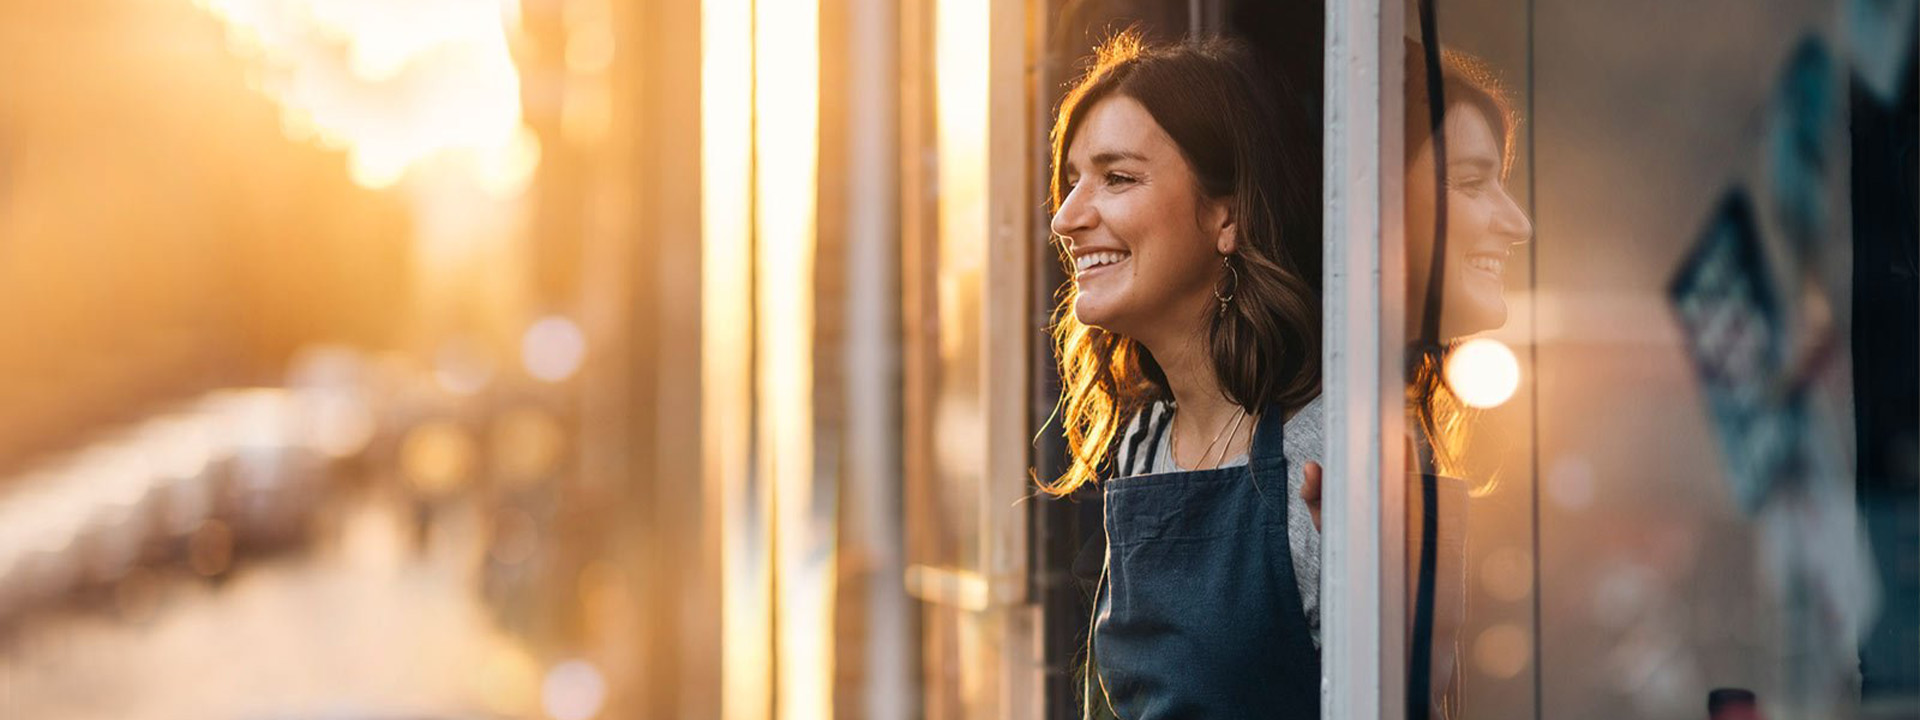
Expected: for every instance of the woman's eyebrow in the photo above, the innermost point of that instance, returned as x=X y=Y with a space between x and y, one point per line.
x=1109 y=157
x=1474 y=163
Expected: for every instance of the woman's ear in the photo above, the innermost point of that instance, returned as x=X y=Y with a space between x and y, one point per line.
x=1226 y=228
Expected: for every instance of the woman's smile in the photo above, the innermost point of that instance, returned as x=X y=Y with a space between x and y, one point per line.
x=1092 y=263
x=1493 y=264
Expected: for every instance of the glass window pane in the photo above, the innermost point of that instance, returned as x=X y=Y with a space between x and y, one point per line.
x=1682 y=478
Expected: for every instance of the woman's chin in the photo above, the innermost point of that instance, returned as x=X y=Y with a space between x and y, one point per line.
x=1474 y=320
x=1088 y=316
x=1093 y=312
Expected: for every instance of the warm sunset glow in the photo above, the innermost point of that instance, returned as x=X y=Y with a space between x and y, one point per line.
x=392 y=84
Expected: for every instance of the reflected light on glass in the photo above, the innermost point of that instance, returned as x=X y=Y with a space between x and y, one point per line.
x=1507 y=574
x=574 y=690
x=1483 y=372
x=1501 y=651
x=553 y=348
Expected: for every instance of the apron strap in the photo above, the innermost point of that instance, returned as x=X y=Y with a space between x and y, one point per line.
x=1269 y=442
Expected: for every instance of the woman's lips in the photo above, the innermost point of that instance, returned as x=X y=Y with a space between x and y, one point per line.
x=1494 y=266
x=1093 y=263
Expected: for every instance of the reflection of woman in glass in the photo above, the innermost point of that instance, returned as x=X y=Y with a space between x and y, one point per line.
x=1188 y=344
x=1483 y=223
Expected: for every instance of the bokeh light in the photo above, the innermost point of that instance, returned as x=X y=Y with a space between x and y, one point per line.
x=527 y=444
x=574 y=690
x=1501 y=651
x=1507 y=574
x=553 y=348
x=1483 y=372
x=438 y=457
x=507 y=680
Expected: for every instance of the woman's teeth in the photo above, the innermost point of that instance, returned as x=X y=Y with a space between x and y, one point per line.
x=1490 y=264
x=1090 y=261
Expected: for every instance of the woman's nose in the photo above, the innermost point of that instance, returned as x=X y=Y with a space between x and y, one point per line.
x=1074 y=215
x=1512 y=221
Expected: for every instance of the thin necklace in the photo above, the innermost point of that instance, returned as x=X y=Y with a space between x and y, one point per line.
x=1231 y=434
x=1241 y=412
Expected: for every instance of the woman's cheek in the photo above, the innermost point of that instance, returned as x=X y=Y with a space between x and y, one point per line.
x=1467 y=218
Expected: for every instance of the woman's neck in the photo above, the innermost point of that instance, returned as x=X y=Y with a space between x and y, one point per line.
x=1205 y=414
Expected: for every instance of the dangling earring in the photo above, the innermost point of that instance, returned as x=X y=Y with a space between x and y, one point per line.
x=1231 y=279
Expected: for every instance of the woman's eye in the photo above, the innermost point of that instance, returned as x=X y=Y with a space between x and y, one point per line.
x=1118 y=179
x=1471 y=185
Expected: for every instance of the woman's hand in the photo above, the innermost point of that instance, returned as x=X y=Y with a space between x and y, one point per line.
x=1310 y=492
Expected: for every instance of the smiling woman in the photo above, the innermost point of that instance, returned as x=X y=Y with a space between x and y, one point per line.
x=1180 y=214
x=1180 y=208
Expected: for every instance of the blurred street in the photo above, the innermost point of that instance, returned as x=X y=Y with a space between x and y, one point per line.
x=364 y=626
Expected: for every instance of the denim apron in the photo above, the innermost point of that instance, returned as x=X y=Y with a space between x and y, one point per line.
x=1198 y=614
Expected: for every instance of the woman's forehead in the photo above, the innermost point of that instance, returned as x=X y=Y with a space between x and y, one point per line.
x=1118 y=127
x=1470 y=134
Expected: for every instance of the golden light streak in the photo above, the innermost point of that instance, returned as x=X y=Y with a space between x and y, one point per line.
x=786 y=143
x=726 y=348
x=960 y=138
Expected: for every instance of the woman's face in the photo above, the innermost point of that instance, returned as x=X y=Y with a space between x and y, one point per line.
x=1483 y=225
x=1145 y=242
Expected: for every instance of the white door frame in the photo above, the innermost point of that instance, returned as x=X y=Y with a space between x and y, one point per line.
x=1363 y=603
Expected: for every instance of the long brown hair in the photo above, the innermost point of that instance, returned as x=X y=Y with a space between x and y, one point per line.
x=1219 y=108
x=1443 y=420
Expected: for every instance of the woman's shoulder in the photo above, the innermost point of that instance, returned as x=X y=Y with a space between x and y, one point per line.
x=1311 y=413
x=1306 y=429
